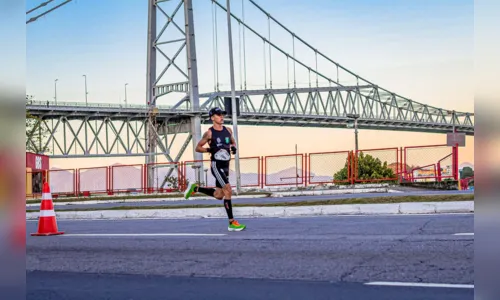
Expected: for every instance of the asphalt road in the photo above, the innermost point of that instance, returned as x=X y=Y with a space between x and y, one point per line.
x=276 y=258
x=193 y=201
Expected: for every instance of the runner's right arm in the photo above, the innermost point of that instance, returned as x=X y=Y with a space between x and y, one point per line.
x=204 y=139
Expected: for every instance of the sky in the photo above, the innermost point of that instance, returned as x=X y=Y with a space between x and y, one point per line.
x=422 y=50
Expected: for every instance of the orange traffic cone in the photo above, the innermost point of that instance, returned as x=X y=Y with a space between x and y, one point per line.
x=47 y=224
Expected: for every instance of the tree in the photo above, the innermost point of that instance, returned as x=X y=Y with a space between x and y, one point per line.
x=368 y=168
x=36 y=132
x=466 y=172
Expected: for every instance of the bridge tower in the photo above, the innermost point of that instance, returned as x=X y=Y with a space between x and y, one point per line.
x=190 y=84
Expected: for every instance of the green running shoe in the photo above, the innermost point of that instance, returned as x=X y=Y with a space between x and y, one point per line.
x=190 y=190
x=235 y=226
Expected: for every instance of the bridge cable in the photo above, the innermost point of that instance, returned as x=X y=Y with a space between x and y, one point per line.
x=41 y=5
x=293 y=56
x=239 y=55
x=44 y=13
x=316 y=56
x=265 y=67
x=276 y=47
x=287 y=72
x=338 y=82
x=270 y=59
x=309 y=70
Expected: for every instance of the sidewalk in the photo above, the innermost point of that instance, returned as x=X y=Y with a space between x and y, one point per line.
x=276 y=194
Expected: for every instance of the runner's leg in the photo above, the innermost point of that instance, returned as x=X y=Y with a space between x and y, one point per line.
x=233 y=224
x=219 y=181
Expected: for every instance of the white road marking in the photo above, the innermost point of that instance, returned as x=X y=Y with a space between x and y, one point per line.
x=421 y=284
x=141 y=234
x=465 y=233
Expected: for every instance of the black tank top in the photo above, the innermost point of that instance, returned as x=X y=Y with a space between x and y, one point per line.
x=220 y=145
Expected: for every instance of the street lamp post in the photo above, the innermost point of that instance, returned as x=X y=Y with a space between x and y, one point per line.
x=86 y=93
x=55 y=90
x=126 y=94
x=233 y=98
x=355 y=117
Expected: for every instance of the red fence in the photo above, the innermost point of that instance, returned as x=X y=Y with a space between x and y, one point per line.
x=323 y=166
x=389 y=158
x=127 y=178
x=282 y=170
x=430 y=163
x=93 y=181
x=250 y=170
x=416 y=163
x=62 y=182
x=164 y=177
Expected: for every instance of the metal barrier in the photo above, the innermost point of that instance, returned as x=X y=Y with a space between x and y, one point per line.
x=322 y=167
x=165 y=177
x=250 y=172
x=284 y=170
x=415 y=163
x=430 y=163
x=93 y=181
x=62 y=182
x=127 y=179
x=387 y=158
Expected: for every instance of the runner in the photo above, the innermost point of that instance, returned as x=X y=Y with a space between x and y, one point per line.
x=221 y=145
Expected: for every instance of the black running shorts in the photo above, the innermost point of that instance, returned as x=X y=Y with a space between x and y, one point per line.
x=220 y=171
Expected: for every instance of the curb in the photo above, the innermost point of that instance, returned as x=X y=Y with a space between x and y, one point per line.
x=276 y=211
x=331 y=192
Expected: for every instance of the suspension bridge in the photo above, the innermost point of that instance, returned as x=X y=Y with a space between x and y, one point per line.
x=300 y=88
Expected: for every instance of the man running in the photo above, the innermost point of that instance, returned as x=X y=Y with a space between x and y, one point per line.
x=221 y=142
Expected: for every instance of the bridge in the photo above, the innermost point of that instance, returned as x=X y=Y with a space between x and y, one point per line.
x=333 y=95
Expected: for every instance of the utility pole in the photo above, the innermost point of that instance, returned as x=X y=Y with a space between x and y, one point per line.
x=355 y=117
x=233 y=99
x=194 y=96
x=356 y=134
x=150 y=95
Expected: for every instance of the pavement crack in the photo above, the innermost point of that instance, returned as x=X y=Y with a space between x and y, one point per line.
x=387 y=250
x=354 y=269
x=422 y=228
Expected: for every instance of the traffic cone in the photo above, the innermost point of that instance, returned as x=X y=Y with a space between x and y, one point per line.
x=47 y=224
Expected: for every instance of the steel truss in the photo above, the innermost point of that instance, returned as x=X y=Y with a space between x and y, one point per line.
x=161 y=17
x=330 y=107
x=171 y=27
x=106 y=134
x=114 y=130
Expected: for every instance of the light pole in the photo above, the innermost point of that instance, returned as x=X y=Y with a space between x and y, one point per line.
x=55 y=90
x=86 y=102
x=233 y=98
x=126 y=94
x=355 y=117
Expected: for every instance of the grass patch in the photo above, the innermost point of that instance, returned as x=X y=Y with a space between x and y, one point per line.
x=374 y=200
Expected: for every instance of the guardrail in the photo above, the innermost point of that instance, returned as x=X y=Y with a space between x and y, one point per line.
x=404 y=164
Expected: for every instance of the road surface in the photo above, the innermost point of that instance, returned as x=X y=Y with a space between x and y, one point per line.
x=193 y=201
x=338 y=257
